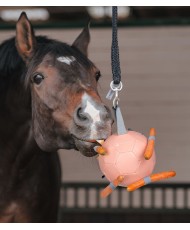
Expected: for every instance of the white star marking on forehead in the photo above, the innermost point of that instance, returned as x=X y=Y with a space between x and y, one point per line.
x=67 y=60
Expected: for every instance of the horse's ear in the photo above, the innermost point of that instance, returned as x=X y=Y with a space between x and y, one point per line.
x=25 y=38
x=82 y=41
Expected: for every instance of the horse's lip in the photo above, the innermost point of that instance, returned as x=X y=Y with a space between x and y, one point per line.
x=89 y=141
x=86 y=140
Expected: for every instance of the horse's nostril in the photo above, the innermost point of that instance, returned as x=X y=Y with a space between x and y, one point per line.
x=81 y=116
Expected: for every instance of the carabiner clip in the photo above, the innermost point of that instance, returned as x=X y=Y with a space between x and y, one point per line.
x=116 y=89
x=116 y=100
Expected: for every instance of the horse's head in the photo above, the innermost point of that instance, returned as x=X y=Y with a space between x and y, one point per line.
x=67 y=111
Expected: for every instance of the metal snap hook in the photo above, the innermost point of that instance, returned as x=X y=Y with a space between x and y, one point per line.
x=115 y=102
x=116 y=89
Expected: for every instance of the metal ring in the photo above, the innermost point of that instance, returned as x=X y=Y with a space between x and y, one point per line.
x=116 y=87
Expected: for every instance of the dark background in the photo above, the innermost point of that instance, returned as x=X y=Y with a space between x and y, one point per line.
x=75 y=16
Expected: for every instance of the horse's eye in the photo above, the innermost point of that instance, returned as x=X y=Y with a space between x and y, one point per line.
x=38 y=79
x=98 y=75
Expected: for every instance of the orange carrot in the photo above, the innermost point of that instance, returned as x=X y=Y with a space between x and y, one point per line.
x=136 y=185
x=100 y=150
x=152 y=178
x=162 y=176
x=151 y=143
x=109 y=189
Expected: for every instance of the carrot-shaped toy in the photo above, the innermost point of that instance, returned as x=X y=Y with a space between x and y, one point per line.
x=109 y=189
x=100 y=150
x=149 y=179
x=150 y=146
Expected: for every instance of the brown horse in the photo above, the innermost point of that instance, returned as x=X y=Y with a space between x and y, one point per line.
x=48 y=101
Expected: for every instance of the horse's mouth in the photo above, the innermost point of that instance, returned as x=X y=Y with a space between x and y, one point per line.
x=85 y=140
x=88 y=140
x=85 y=146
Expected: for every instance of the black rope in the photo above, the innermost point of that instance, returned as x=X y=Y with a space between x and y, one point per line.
x=116 y=71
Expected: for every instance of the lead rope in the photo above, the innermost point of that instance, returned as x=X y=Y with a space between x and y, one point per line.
x=116 y=85
x=116 y=71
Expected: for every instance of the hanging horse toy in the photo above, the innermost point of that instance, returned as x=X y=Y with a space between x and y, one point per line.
x=127 y=158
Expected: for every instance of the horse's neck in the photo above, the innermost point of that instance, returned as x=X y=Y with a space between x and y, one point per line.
x=15 y=116
x=16 y=137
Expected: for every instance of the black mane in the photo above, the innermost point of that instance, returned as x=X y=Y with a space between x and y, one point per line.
x=10 y=61
x=11 y=64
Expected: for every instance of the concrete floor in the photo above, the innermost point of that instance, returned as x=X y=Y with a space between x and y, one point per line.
x=155 y=65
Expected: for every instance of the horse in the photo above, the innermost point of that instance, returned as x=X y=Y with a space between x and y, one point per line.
x=48 y=101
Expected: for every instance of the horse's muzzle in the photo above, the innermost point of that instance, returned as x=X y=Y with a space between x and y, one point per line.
x=92 y=121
